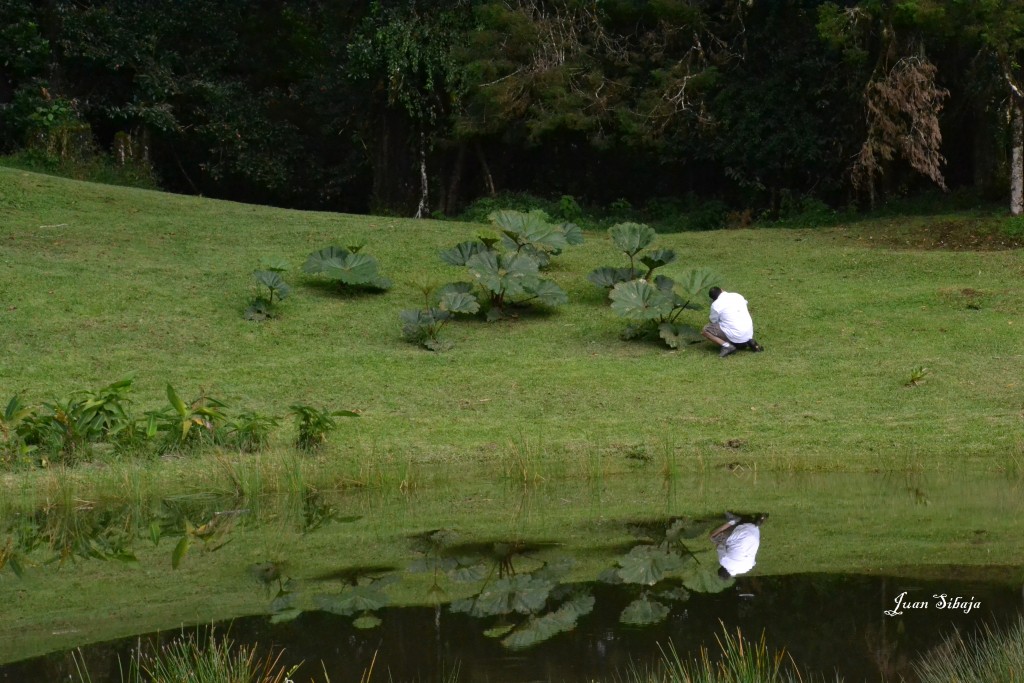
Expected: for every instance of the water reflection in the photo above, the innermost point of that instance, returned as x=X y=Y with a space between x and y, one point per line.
x=337 y=577
x=737 y=541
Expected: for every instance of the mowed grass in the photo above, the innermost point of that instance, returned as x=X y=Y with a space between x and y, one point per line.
x=98 y=282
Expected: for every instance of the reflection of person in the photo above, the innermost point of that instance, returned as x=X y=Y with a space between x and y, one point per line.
x=737 y=543
x=730 y=325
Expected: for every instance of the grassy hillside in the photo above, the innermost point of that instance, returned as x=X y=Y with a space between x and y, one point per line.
x=98 y=282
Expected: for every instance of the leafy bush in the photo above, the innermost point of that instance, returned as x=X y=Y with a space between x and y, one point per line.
x=631 y=239
x=187 y=426
x=249 y=432
x=481 y=210
x=654 y=307
x=13 y=448
x=348 y=267
x=509 y=275
x=313 y=425
x=423 y=326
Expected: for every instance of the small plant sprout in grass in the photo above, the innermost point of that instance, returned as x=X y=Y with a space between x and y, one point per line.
x=313 y=425
x=917 y=376
x=349 y=268
x=631 y=239
x=269 y=283
x=423 y=326
x=654 y=308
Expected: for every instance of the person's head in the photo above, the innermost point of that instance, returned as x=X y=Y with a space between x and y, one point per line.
x=714 y=292
x=723 y=573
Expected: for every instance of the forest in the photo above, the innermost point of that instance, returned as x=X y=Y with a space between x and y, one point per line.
x=415 y=108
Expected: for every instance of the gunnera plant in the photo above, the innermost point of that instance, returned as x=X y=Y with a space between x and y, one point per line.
x=348 y=267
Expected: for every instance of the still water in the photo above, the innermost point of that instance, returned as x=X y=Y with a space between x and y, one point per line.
x=858 y=575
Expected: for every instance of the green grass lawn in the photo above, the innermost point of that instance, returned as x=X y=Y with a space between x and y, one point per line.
x=98 y=282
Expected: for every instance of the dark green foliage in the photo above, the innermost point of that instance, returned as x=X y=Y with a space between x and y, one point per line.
x=508 y=274
x=654 y=308
x=632 y=239
x=313 y=425
x=249 y=432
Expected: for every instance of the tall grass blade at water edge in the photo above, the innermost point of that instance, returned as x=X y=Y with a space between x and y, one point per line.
x=991 y=656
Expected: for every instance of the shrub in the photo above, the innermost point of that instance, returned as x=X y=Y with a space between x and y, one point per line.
x=654 y=308
x=313 y=425
x=269 y=283
x=423 y=326
x=631 y=239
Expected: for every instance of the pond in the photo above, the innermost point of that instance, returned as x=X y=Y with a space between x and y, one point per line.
x=564 y=581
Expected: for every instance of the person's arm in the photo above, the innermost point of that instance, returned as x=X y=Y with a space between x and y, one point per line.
x=714 y=316
x=720 y=533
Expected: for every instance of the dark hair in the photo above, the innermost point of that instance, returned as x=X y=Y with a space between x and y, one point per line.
x=714 y=292
x=724 y=574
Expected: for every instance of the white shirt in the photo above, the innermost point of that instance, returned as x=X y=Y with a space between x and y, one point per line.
x=729 y=310
x=737 y=552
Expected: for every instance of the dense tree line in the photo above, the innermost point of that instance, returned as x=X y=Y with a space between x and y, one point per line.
x=416 y=107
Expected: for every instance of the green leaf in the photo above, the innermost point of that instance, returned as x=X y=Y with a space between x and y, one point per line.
x=179 y=551
x=608 y=277
x=284 y=616
x=631 y=238
x=502 y=273
x=640 y=300
x=354 y=269
x=498 y=631
x=357 y=599
x=531 y=228
x=460 y=254
x=276 y=264
x=176 y=402
x=648 y=564
x=643 y=612
x=696 y=282
x=675 y=335
x=316 y=262
x=367 y=621
x=705 y=579
x=545 y=292
x=272 y=281
x=459 y=302
x=658 y=258
x=573 y=234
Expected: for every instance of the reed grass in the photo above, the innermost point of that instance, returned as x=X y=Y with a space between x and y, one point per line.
x=991 y=656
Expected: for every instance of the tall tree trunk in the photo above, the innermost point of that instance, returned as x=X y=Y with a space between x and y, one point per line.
x=488 y=178
x=422 y=211
x=1016 y=158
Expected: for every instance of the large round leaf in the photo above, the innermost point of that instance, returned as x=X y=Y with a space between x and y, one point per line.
x=658 y=258
x=697 y=281
x=648 y=564
x=463 y=251
x=354 y=269
x=459 y=302
x=272 y=280
x=640 y=300
x=545 y=292
x=608 y=277
x=631 y=238
x=316 y=261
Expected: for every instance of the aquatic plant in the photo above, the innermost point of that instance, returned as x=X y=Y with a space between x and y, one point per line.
x=738 y=660
x=991 y=656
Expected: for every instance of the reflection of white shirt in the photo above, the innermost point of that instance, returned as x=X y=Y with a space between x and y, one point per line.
x=729 y=310
x=737 y=552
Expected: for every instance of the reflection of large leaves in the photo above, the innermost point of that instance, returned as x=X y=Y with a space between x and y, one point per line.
x=643 y=612
x=648 y=564
x=640 y=300
x=357 y=599
x=704 y=579
x=631 y=238
x=539 y=629
x=522 y=593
